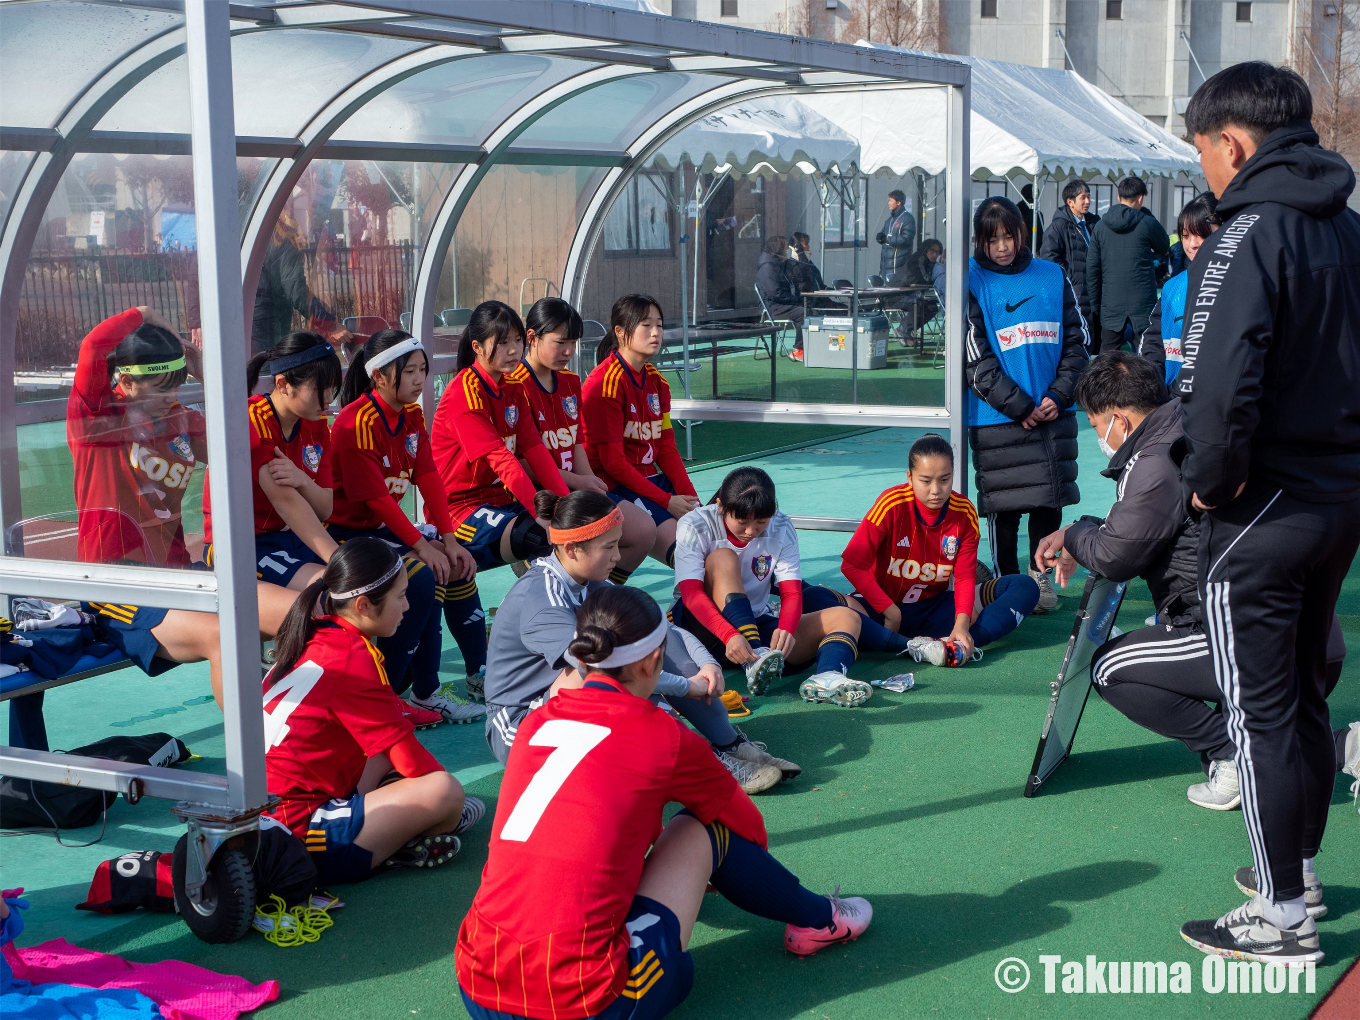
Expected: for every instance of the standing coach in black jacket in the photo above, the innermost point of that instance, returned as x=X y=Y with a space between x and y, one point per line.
x=1271 y=396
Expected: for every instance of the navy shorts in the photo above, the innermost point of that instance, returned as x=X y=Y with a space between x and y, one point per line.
x=660 y=515
x=341 y=534
x=687 y=621
x=128 y=628
x=481 y=531
x=660 y=973
x=279 y=555
x=932 y=617
x=331 y=833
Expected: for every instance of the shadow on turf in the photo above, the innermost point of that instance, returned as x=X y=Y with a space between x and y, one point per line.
x=1118 y=766
x=911 y=935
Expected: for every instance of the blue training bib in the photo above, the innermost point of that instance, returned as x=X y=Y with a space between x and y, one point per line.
x=1023 y=313
x=1173 y=315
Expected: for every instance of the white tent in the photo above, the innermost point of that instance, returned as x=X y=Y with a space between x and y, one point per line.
x=778 y=134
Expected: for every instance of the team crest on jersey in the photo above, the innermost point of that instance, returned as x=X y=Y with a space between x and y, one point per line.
x=760 y=566
x=654 y=402
x=569 y=405
x=511 y=415
x=412 y=443
x=311 y=456
x=183 y=449
x=949 y=545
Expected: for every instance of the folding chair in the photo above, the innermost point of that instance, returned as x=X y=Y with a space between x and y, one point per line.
x=592 y=332
x=781 y=325
x=549 y=290
x=876 y=281
x=405 y=320
x=364 y=325
x=455 y=318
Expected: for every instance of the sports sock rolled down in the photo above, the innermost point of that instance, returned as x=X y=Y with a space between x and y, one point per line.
x=749 y=878
x=400 y=650
x=425 y=661
x=467 y=622
x=1007 y=599
x=739 y=614
x=836 y=652
x=619 y=576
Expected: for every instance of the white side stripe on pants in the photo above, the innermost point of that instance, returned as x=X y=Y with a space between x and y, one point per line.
x=1195 y=646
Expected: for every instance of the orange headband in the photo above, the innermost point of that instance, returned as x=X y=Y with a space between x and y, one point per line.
x=610 y=521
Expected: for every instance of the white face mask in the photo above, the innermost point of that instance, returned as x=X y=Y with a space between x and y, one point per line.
x=1105 y=448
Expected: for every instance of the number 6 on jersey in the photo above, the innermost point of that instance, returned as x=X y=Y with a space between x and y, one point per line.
x=572 y=742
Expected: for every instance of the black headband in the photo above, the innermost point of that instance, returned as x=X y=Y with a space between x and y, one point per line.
x=288 y=361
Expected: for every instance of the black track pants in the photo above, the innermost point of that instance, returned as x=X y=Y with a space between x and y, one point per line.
x=1043 y=521
x=1161 y=677
x=1271 y=567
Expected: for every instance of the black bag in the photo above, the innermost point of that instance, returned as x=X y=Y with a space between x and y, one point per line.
x=29 y=804
x=283 y=867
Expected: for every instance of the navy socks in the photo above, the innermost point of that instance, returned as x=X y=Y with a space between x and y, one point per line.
x=874 y=637
x=467 y=622
x=1007 y=600
x=751 y=879
x=739 y=614
x=620 y=576
x=399 y=650
x=836 y=652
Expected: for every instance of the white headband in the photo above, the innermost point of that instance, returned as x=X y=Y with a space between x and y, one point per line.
x=343 y=596
x=391 y=354
x=623 y=655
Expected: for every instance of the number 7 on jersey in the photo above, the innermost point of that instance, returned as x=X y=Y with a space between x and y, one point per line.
x=571 y=741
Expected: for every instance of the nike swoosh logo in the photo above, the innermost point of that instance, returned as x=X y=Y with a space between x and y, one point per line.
x=1178 y=318
x=1013 y=307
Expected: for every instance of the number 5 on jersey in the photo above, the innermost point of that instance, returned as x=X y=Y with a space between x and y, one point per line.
x=571 y=741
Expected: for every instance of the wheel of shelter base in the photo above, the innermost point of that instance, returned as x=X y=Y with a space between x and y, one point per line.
x=227 y=905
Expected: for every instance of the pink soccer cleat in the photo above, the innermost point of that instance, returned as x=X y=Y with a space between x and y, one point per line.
x=849 y=918
x=421 y=718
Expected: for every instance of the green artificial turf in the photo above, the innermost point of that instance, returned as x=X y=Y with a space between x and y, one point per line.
x=914 y=801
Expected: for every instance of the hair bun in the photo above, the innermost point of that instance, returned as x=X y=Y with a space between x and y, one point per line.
x=545 y=503
x=592 y=644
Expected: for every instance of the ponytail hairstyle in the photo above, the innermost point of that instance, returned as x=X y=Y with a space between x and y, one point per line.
x=323 y=369
x=358 y=563
x=997 y=214
x=932 y=444
x=609 y=617
x=357 y=380
x=747 y=493
x=149 y=347
x=627 y=314
x=553 y=315
x=493 y=321
x=574 y=510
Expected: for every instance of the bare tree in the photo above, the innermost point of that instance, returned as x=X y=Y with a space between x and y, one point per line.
x=911 y=24
x=1329 y=59
x=806 y=18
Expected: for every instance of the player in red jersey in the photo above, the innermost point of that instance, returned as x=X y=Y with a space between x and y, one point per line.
x=552 y=330
x=492 y=464
x=574 y=918
x=335 y=733
x=627 y=408
x=135 y=448
x=915 y=540
x=381 y=449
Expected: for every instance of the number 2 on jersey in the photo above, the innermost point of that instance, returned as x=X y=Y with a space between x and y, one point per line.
x=571 y=741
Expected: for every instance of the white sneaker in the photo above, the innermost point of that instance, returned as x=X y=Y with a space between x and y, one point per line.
x=835 y=687
x=750 y=776
x=1352 y=765
x=762 y=671
x=453 y=710
x=926 y=649
x=756 y=752
x=1221 y=792
x=1048 y=598
x=476 y=687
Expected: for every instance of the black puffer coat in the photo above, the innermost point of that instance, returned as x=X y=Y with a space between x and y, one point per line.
x=1065 y=244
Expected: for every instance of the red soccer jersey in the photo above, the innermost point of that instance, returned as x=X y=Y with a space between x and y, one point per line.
x=309 y=449
x=128 y=462
x=894 y=556
x=377 y=452
x=325 y=719
x=480 y=429
x=579 y=805
x=557 y=412
x=622 y=408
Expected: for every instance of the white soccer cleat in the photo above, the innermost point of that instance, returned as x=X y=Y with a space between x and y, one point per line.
x=926 y=649
x=452 y=709
x=767 y=667
x=835 y=687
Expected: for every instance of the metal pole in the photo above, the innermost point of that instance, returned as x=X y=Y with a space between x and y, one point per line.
x=684 y=314
x=213 y=132
x=854 y=296
x=958 y=199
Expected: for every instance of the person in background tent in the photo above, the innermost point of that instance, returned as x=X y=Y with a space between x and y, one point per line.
x=897 y=236
x=627 y=407
x=492 y=462
x=1161 y=338
x=381 y=450
x=552 y=330
x=1122 y=263
x=777 y=282
x=1068 y=239
x=1025 y=350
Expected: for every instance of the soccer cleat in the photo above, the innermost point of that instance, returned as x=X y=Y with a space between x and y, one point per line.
x=1245 y=879
x=756 y=752
x=767 y=667
x=752 y=777
x=835 y=687
x=1352 y=761
x=421 y=718
x=735 y=705
x=1220 y=793
x=1048 y=598
x=453 y=710
x=473 y=810
x=983 y=575
x=849 y=918
x=426 y=852
x=796 y=355
x=1244 y=934
x=939 y=653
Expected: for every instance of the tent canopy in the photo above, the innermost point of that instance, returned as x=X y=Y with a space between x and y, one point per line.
x=779 y=133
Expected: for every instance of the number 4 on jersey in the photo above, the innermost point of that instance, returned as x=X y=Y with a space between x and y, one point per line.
x=293 y=688
x=572 y=742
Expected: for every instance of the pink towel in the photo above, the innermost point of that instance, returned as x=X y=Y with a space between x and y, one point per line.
x=183 y=991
